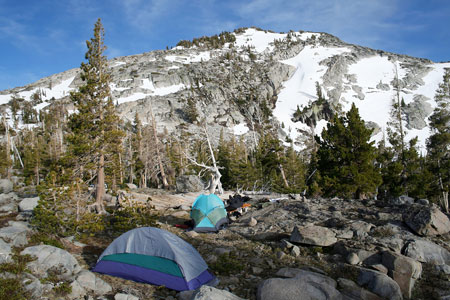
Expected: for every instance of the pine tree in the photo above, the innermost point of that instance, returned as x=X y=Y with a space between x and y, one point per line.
x=346 y=157
x=94 y=126
x=438 y=143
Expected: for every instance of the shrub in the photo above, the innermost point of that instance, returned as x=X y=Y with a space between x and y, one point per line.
x=227 y=264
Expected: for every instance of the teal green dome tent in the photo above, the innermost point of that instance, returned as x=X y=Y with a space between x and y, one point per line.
x=208 y=213
x=154 y=256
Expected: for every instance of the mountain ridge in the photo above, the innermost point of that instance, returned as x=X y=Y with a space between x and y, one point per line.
x=269 y=74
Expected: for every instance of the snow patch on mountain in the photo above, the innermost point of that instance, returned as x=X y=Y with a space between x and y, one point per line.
x=300 y=89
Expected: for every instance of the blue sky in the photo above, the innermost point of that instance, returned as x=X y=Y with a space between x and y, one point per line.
x=41 y=38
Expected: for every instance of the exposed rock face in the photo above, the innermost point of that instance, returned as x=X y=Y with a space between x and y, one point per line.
x=427 y=221
x=313 y=235
x=242 y=84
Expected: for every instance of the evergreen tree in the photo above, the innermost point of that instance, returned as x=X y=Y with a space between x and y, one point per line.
x=438 y=143
x=346 y=157
x=94 y=126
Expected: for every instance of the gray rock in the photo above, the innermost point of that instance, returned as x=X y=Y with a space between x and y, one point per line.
x=353 y=291
x=427 y=252
x=380 y=284
x=51 y=258
x=28 y=204
x=121 y=296
x=285 y=244
x=383 y=86
x=305 y=285
x=8 y=198
x=316 y=276
x=91 y=283
x=15 y=235
x=77 y=291
x=34 y=286
x=185 y=295
x=252 y=222
x=403 y=270
x=132 y=186
x=189 y=183
x=8 y=208
x=352 y=258
x=210 y=293
x=423 y=202
x=5 y=252
x=417 y=112
x=295 y=251
x=426 y=221
x=313 y=235
x=6 y=186
x=443 y=268
x=402 y=200
x=361 y=228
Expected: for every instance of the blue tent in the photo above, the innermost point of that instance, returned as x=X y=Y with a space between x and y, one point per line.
x=154 y=256
x=208 y=213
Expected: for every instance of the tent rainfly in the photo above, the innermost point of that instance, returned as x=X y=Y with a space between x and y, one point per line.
x=155 y=256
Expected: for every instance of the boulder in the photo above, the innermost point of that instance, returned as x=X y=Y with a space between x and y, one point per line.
x=209 y=293
x=121 y=296
x=16 y=235
x=8 y=204
x=6 y=186
x=34 y=287
x=361 y=228
x=305 y=285
x=380 y=284
x=402 y=200
x=426 y=221
x=353 y=291
x=427 y=252
x=93 y=284
x=28 y=204
x=313 y=235
x=189 y=183
x=51 y=258
x=132 y=186
x=5 y=252
x=404 y=270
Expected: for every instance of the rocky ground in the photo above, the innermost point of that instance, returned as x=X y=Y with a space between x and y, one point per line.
x=283 y=247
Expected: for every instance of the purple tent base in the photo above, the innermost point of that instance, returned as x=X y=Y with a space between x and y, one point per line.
x=141 y=274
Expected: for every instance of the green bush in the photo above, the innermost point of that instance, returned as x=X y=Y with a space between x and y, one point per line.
x=42 y=238
x=227 y=264
x=12 y=289
x=131 y=217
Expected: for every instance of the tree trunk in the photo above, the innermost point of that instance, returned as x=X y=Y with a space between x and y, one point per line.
x=100 y=192
x=158 y=154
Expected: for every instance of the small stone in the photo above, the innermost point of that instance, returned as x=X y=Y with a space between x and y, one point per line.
x=295 y=251
x=191 y=234
x=352 y=258
x=252 y=222
x=285 y=244
x=280 y=254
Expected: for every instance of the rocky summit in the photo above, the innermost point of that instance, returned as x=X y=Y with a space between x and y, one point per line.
x=237 y=80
